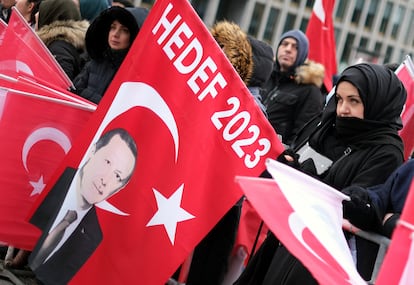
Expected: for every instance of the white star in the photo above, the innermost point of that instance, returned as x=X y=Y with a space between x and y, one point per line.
x=169 y=212
x=37 y=186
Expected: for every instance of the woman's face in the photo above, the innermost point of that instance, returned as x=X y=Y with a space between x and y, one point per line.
x=118 y=37
x=349 y=103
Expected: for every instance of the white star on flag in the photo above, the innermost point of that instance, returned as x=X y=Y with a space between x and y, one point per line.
x=38 y=186
x=169 y=212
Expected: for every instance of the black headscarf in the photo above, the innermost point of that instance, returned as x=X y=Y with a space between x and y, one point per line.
x=383 y=96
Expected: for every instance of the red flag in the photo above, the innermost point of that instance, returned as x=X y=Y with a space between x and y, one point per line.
x=405 y=73
x=320 y=32
x=397 y=267
x=306 y=216
x=195 y=125
x=35 y=134
x=32 y=58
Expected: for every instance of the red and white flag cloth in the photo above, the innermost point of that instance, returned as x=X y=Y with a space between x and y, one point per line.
x=405 y=73
x=398 y=264
x=31 y=58
x=196 y=126
x=320 y=32
x=306 y=216
x=35 y=134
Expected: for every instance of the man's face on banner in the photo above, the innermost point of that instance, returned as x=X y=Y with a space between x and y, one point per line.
x=106 y=171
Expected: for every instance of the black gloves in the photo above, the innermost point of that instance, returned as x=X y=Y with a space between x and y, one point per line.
x=359 y=211
x=295 y=163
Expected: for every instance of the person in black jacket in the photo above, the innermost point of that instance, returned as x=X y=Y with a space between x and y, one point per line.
x=5 y=9
x=108 y=40
x=60 y=27
x=293 y=95
x=356 y=143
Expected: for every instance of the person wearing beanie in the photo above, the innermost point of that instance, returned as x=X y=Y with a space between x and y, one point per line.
x=60 y=27
x=292 y=94
x=108 y=40
x=91 y=9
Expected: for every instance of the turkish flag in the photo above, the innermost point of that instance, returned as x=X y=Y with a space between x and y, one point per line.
x=397 y=267
x=196 y=126
x=32 y=58
x=306 y=216
x=405 y=73
x=35 y=134
x=320 y=32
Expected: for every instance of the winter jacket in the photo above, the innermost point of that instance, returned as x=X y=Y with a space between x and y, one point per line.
x=363 y=152
x=66 y=41
x=98 y=73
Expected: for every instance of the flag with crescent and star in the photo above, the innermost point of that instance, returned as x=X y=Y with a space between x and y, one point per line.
x=196 y=127
x=35 y=134
x=306 y=216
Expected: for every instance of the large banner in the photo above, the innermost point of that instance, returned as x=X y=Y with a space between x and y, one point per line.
x=154 y=169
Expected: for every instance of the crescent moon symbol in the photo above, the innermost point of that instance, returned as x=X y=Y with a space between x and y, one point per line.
x=46 y=133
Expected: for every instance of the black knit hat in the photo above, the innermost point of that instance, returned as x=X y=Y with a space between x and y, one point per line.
x=96 y=38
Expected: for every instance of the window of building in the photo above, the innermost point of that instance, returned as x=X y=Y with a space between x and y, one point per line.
x=397 y=21
x=337 y=33
x=363 y=43
x=359 y=5
x=271 y=24
x=372 y=10
x=256 y=17
x=388 y=54
x=386 y=17
x=309 y=3
x=409 y=29
x=377 y=48
x=341 y=10
x=345 y=57
x=290 y=22
x=304 y=24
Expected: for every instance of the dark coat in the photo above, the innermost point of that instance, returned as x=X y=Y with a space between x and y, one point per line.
x=364 y=153
x=66 y=42
x=291 y=100
x=77 y=248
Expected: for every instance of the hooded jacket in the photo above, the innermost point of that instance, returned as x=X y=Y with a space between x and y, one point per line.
x=98 y=73
x=294 y=97
x=66 y=41
x=63 y=32
x=235 y=45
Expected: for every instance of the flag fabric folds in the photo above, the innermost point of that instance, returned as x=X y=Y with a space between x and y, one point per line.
x=32 y=58
x=405 y=73
x=195 y=125
x=306 y=216
x=397 y=267
x=320 y=32
x=36 y=132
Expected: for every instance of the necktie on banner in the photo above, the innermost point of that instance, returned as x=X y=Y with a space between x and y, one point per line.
x=405 y=73
x=306 y=216
x=35 y=134
x=32 y=59
x=320 y=32
x=397 y=267
x=54 y=238
x=196 y=126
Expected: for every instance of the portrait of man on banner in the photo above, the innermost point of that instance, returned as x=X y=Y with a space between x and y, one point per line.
x=67 y=215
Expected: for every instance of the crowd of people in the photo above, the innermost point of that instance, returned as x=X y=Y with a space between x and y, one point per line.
x=349 y=141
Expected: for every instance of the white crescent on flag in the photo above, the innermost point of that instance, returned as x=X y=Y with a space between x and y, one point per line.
x=138 y=94
x=319 y=10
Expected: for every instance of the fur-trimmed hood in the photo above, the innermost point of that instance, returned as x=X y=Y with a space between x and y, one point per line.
x=236 y=46
x=310 y=72
x=70 y=31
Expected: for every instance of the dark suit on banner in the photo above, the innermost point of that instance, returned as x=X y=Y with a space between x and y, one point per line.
x=63 y=264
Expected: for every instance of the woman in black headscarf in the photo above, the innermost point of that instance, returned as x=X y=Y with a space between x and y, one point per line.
x=356 y=143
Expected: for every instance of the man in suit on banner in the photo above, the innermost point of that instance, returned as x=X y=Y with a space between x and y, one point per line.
x=72 y=232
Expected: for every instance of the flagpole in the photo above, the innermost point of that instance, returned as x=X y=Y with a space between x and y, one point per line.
x=185 y=269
